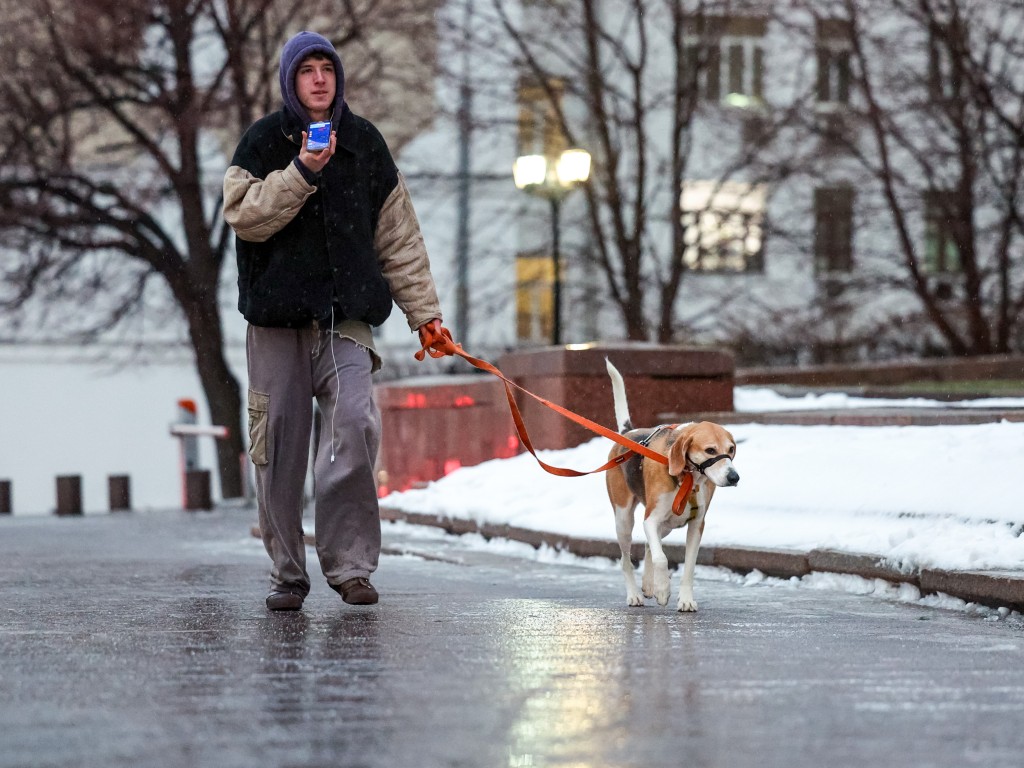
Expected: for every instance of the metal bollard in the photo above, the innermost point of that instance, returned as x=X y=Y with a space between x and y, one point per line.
x=5 y=497
x=119 y=491
x=197 y=490
x=69 y=495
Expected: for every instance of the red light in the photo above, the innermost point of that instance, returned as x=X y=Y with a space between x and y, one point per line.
x=464 y=401
x=451 y=465
x=508 y=450
x=415 y=400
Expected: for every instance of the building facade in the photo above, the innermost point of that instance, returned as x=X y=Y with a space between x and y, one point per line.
x=818 y=183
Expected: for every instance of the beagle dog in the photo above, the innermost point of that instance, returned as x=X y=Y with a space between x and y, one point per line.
x=699 y=460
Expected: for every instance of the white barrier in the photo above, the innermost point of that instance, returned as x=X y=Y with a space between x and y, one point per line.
x=195 y=483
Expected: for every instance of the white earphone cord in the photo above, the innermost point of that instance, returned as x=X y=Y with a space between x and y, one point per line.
x=337 y=394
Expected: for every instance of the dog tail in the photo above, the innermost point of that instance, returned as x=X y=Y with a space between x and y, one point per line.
x=619 y=392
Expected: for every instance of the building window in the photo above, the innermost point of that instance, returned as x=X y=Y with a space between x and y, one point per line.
x=941 y=253
x=540 y=128
x=725 y=58
x=535 y=279
x=723 y=225
x=833 y=230
x=833 y=49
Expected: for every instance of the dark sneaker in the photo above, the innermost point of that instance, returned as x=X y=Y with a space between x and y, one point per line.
x=357 y=591
x=284 y=601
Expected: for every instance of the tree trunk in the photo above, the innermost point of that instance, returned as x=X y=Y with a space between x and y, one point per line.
x=222 y=391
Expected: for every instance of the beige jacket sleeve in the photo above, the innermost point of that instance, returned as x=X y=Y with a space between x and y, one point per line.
x=256 y=209
x=403 y=258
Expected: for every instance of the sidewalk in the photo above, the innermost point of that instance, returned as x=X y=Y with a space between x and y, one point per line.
x=142 y=639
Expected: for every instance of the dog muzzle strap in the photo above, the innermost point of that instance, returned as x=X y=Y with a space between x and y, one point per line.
x=705 y=465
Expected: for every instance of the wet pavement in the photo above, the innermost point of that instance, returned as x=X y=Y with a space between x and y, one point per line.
x=141 y=640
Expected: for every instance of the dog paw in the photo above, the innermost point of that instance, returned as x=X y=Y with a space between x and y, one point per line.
x=686 y=603
x=635 y=600
x=661 y=596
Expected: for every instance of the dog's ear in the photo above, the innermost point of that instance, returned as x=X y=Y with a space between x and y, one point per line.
x=678 y=450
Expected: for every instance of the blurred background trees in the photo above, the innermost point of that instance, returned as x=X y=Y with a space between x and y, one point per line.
x=800 y=181
x=117 y=118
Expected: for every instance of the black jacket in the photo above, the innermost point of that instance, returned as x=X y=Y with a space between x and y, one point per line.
x=324 y=256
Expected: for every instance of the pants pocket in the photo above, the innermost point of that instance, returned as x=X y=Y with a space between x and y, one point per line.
x=259 y=405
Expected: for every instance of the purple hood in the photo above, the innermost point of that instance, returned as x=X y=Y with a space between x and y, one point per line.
x=294 y=51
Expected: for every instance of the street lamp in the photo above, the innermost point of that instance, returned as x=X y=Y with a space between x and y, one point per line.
x=553 y=178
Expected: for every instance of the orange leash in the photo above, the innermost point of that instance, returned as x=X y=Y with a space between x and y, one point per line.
x=442 y=344
x=440 y=347
x=685 y=488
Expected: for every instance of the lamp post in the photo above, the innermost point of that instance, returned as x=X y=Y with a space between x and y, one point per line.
x=553 y=179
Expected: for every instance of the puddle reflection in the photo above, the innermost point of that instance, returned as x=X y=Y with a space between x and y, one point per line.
x=579 y=696
x=558 y=665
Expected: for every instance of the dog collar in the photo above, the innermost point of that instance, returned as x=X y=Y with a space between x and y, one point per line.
x=686 y=484
x=686 y=487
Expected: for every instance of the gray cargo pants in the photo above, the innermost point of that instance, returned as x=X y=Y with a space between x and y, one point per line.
x=287 y=369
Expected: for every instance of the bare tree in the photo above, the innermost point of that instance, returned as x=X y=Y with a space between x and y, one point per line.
x=601 y=61
x=632 y=71
x=116 y=115
x=936 y=124
x=924 y=122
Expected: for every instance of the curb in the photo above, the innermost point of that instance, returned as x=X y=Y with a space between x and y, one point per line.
x=995 y=589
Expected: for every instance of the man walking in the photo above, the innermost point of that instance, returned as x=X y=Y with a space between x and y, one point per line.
x=326 y=241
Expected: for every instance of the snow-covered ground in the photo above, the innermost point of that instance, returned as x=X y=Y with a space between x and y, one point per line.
x=936 y=496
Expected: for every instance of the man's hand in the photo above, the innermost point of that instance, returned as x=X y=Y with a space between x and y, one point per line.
x=315 y=161
x=434 y=340
x=430 y=332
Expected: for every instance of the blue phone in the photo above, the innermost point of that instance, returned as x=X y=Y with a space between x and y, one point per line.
x=319 y=136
